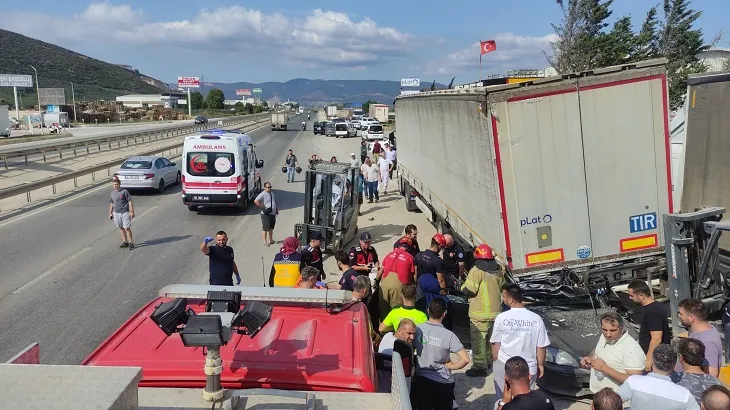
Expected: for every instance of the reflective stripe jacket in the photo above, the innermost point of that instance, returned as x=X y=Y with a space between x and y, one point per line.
x=487 y=288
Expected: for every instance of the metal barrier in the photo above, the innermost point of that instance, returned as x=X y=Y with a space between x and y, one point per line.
x=27 y=188
x=74 y=143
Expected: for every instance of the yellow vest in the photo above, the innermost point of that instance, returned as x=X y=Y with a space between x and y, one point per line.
x=287 y=270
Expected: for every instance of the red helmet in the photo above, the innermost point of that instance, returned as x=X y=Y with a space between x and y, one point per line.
x=483 y=251
x=440 y=239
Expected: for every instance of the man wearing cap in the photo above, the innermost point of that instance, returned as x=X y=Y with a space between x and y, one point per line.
x=482 y=286
x=312 y=254
x=364 y=258
x=430 y=271
x=354 y=162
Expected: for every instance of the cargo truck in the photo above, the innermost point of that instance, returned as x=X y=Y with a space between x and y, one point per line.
x=331 y=111
x=4 y=121
x=279 y=121
x=568 y=172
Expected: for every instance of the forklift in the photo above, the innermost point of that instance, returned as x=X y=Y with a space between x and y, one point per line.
x=331 y=206
x=698 y=267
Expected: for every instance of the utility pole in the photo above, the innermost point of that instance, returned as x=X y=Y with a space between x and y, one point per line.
x=73 y=95
x=38 y=92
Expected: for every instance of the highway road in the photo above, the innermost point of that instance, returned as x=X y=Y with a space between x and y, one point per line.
x=66 y=284
x=107 y=129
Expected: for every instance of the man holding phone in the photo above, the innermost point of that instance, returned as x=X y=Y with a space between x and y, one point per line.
x=517 y=392
x=221 y=266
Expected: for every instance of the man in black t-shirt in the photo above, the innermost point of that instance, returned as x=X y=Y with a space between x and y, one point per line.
x=453 y=256
x=221 y=266
x=654 y=328
x=312 y=254
x=349 y=275
x=517 y=394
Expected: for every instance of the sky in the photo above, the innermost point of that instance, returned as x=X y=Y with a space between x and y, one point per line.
x=279 y=40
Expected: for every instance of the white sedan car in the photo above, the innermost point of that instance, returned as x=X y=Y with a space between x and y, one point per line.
x=148 y=172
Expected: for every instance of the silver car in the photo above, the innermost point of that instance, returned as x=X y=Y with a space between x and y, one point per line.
x=148 y=172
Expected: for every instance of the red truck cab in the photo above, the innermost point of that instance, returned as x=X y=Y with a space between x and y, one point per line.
x=316 y=340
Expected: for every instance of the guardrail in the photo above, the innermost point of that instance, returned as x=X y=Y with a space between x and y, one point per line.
x=75 y=143
x=27 y=188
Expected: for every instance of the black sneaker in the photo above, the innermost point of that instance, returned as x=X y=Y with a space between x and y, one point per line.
x=477 y=372
x=131 y=246
x=124 y=245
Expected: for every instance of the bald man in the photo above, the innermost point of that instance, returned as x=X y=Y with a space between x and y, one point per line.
x=716 y=397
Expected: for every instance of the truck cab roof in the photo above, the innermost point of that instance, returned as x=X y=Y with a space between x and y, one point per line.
x=305 y=345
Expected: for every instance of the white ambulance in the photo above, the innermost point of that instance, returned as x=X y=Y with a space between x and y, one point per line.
x=220 y=168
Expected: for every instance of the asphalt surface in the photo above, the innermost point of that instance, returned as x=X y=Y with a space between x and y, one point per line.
x=66 y=284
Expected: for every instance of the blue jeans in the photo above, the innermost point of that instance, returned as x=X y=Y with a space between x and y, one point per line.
x=372 y=188
x=290 y=172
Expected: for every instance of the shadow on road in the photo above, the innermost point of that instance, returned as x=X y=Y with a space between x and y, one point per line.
x=167 y=239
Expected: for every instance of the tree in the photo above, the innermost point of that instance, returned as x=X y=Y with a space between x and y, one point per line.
x=249 y=108
x=646 y=46
x=366 y=105
x=265 y=105
x=197 y=101
x=617 y=47
x=239 y=107
x=257 y=109
x=679 y=43
x=581 y=41
x=215 y=99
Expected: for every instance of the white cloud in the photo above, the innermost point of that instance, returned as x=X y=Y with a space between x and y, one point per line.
x=322 y=38
x=513 y=52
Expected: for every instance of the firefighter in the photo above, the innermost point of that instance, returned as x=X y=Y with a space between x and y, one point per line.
x=482 y=286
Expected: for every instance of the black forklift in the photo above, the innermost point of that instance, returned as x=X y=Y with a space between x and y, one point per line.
x=331 y=207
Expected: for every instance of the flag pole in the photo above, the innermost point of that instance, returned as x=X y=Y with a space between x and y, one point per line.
x=480 y=61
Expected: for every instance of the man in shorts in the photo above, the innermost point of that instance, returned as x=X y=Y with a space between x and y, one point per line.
x=267 y=202
x=121 y=211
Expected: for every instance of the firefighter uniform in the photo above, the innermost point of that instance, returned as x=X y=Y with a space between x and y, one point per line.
x=483 y=286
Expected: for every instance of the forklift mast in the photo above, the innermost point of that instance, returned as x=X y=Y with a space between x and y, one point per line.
x=696 y=265
x=331 y=206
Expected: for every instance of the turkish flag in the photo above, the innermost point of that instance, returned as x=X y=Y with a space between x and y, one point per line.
x=487 y=46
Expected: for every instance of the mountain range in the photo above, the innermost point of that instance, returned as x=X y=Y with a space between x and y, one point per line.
x=307 y=91
x=94 y=79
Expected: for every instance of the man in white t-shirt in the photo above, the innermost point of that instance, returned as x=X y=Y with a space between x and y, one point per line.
x=517 y=332
x=385 y=166
x=616 y=356
x=406 y=332
x=372 y=175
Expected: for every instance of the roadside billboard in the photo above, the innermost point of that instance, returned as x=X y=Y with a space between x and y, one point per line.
x=243 y=91
x=410 y=82
x=52 y=96
x=16 y=80
x=257 y=91
x=190 y=82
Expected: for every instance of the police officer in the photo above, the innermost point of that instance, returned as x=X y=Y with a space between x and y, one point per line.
x=453 y=257
x=363 y=258
x=312 y=254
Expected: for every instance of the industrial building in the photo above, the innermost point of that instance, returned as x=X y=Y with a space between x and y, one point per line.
x=168 y=100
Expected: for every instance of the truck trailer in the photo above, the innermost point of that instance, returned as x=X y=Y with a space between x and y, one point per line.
x=568 y=172
x=279 y=121
x=4 y=121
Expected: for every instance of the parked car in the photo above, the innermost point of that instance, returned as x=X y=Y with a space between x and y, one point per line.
x=148 y=172
x=200 y=119
x=329 y=129
x=372 y=132
x=318 y=128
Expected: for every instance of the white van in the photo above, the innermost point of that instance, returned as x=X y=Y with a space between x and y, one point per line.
x=219 y=168
x=342 y=130
x=372 y=132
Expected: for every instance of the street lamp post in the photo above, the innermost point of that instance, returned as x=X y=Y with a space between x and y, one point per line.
x=38 y=92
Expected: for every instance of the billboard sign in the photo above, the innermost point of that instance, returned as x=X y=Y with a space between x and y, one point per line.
x=52 y=96
x=182 y=102
x=243 y=91
x=257 y=91
x=16 y=80
x=410 y=82
x=189 y=82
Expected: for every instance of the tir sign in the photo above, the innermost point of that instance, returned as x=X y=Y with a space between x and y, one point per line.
x=640 y=223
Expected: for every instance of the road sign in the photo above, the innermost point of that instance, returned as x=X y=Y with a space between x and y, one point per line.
x=257 y=91
x=243 y=91
x=190 y=82
x=410 y=82
x=52 y=108
x=16 y=80
x=52 y=96
x=182 y=102
x=640 y=223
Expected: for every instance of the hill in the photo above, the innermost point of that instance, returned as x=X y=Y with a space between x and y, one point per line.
x=306 y=91
x=58 y=68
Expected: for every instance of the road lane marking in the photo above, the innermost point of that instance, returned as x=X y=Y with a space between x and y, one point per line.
x=69 y=259
x=50 y=271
